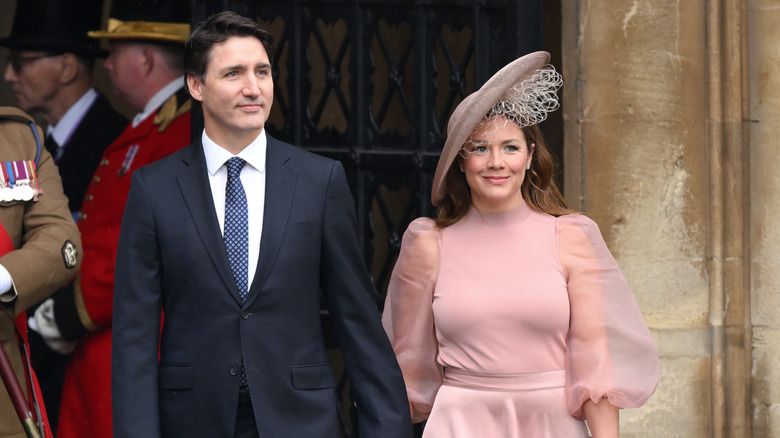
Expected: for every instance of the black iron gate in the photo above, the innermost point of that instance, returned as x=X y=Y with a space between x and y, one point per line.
x=372 y=84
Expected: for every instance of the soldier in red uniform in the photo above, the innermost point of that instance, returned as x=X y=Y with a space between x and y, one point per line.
x=146 y=39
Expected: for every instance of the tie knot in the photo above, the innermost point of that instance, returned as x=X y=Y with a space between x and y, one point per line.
x=234 y=166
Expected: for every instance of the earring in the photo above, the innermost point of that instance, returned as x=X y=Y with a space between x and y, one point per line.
x=528 y=167
x=461 y=169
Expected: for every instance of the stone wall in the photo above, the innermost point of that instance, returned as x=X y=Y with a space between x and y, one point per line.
x=764 y=131
x=668 y=117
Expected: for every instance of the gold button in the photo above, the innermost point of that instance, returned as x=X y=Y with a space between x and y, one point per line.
x=90 y=197
x=104 y=163
x=82 y=216
x=97 y=179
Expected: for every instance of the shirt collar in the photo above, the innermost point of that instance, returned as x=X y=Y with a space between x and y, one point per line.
x=158 y=99
x=62 y=131
x=253 y=154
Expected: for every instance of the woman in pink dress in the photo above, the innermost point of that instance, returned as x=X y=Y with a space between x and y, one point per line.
x=508 y=314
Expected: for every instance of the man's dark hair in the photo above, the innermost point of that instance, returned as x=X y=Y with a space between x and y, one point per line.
x=218 y=28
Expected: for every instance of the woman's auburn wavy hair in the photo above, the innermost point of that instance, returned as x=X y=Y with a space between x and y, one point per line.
x=538 y=188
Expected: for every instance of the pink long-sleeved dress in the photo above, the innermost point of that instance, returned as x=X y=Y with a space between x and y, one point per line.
x=504 y=324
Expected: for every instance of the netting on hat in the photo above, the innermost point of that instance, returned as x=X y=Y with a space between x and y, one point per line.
x=528 y=101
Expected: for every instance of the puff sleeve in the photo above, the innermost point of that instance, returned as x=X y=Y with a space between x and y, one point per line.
x=610 y=350
x=408 y=315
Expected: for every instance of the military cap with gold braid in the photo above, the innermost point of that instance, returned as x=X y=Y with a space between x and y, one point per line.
x=157 y=20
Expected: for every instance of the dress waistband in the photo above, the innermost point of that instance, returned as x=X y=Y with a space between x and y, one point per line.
x=504 y=381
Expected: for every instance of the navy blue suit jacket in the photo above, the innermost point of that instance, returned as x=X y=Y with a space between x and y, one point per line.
x=171 y=258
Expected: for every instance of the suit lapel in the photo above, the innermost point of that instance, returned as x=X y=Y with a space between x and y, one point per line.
x=279 y=188
x=193 y=181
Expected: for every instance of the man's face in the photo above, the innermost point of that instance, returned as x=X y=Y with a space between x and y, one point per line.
x=236 y=91
x=125 y=67
x=34 y=78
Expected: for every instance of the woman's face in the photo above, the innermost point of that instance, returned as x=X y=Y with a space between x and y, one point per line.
x=494 y=160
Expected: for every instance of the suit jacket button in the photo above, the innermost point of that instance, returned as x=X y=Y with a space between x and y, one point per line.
x=245 y=315
x=233 y=371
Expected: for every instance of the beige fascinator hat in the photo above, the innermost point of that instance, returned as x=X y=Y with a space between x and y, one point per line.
x=524 y=91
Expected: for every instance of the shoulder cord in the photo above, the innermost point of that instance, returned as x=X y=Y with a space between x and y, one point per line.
x=37 y=143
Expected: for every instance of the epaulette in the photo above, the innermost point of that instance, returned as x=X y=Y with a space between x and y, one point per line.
x=171 y=109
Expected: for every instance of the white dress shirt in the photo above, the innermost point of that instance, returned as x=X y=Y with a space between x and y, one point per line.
x=253 y=180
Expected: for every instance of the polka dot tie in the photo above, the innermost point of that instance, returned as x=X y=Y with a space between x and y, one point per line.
x=237 y=231
x=237 y=226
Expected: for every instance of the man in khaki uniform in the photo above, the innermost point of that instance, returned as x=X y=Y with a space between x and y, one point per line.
x=46 y=245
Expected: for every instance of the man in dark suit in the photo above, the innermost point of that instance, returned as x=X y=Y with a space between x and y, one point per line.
x=50 y=71
x=241 y=348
